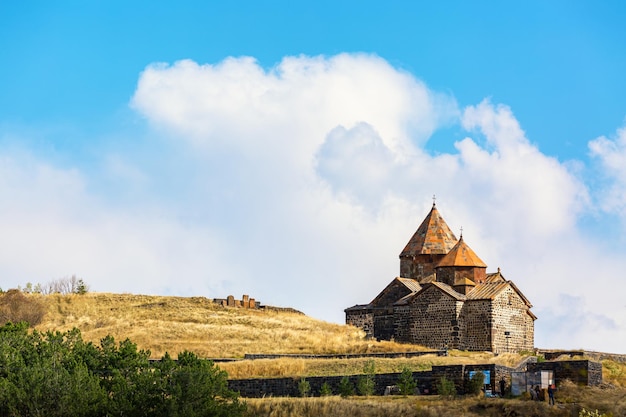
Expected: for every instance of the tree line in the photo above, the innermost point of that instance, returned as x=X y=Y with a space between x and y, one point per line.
x=59 y=374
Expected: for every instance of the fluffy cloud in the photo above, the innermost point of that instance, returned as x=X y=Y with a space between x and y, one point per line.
x=611 y=153
x=55 y=226
x=300 y=185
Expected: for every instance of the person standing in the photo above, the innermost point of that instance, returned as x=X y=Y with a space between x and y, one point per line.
x=551 y=388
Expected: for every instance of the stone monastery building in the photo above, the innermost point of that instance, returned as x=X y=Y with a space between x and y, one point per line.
x=445 y=299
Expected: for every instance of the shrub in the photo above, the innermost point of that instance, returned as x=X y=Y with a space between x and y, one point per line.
x=16 y=307
x=365 y=383
x=304 y=387
x=445 y=387
x=475 y=383
x=326 y=390
x=406 y=382
x=345 y=387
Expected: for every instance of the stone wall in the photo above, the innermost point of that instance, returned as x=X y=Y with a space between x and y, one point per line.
x=384 y=324
x=426 y=381
x=288 y=387
x=245 y=302
x=433 y=319
x=511 y=323
x=476 y=321
x=386 y=355
x=361 y=317
x=582 y=372
x=419 y=266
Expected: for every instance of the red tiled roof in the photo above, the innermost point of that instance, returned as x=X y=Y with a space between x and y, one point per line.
x=461 y=255
x=433 y=236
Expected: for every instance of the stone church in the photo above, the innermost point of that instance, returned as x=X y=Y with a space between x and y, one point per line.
x=444 y=298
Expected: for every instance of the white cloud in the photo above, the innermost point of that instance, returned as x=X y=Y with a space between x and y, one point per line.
x=300 y=185
x=53 y=226
x=326 y=166
x=611 y=153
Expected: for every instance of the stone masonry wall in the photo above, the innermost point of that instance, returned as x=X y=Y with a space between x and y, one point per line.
x=401 y=323
x=383 y=324
x=511 y=323
x=245 y=302
x=433 y=319
x=426 y=381
x=420 y=266
x=362 y=319
x=582 y=372
x=476 y=323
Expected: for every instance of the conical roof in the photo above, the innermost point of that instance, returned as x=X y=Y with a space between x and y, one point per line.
x=432 y=237
x=461 y=255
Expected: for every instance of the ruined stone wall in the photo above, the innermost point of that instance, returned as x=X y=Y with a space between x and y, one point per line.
x=231 y=301
x=433 y=319
x=362 y=319
x=512 y=326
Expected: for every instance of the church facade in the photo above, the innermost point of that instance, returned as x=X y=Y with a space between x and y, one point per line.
x=444 y=298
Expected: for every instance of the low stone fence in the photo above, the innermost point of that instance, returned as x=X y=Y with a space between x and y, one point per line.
x=392 y=355
x=581 y=372
x=426 y=381
x=288 y=387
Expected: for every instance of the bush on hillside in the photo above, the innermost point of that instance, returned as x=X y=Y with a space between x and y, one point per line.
x=445 y=387
x=366 y=383
x=16 y=307
x=345 y=388
x=406 y=382
x=474 y=385
x=65 y=376
x=304 y=387
x=326 y=390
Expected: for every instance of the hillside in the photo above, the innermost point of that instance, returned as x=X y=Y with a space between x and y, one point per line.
x=173 y=324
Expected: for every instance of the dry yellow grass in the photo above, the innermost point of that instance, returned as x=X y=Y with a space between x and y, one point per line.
x=421 y=406
x=173 y=324
x=266 y=368
x=570 y=400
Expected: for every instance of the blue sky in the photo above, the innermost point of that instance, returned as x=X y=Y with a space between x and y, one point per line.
x=289 y=150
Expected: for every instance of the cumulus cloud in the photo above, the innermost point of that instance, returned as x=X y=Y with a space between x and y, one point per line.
x=291 y=107
x=55 y=226
x=300 y=184
x=611 y=154
x=329 y=153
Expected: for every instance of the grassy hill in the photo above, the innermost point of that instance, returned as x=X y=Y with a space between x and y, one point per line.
x=173 y=324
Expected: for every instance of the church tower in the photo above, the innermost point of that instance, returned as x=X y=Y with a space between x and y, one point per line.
x=427 y=247
x=461 y=268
